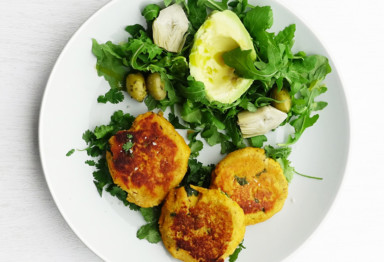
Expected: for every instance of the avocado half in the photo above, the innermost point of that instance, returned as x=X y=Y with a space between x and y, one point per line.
x=221 y=32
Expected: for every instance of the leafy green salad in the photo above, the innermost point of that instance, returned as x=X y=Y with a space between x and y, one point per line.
x=270 y=66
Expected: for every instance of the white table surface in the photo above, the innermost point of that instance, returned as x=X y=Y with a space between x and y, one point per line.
x=32 y=35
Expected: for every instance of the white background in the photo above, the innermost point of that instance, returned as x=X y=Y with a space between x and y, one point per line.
x=32 y=35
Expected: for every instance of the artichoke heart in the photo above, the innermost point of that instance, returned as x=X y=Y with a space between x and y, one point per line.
x=260 y=122
x=170 y=27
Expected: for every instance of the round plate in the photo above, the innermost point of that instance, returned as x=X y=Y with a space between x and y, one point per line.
x=104 y=224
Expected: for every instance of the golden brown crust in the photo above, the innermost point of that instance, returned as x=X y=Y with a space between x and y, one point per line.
x=255 y=182
x=207 y=227
x=156 y=163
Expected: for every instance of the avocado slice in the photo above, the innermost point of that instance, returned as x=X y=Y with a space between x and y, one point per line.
x=221 y=32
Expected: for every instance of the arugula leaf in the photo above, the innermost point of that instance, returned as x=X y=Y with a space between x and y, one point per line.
x=134 y=30
x=191 y=113
x=240 y=7
x=178 y=67
x=174 y=120
x=258 y=19
x=234 y=256
x=195 y=91
x=151 y=103
x=286 y=37
x=276 y=65
x=288 y=170
x=234 y=133
x=197 y=14
x=214 y=5
x=307 y=69
x=277 y=152
x=167 y=2
x=109 y=63
x=150 y=12
x=303 y=107
x=246 y=104
x=281 y=154
x=140 y=51
x=244 y=67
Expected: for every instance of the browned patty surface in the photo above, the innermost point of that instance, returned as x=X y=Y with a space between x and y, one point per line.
x=207 y=227
x=156 y=162
x=255 y=182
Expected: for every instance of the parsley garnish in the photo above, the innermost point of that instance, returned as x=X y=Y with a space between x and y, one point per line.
x=70 y=152
x=127 y=146
x=97 y=142
x=150 y=231
x=198 y=175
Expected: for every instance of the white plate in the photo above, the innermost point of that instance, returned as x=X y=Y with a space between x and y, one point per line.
x=109 y=228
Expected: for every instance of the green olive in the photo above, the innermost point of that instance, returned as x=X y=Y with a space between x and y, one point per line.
x=156 y=86
x=135 y=85
x=284 y=99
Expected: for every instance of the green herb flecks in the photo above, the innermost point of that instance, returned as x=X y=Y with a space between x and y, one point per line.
x=241 y=180
x=127 y=147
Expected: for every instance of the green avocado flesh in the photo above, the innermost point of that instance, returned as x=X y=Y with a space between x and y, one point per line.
x=221 y=32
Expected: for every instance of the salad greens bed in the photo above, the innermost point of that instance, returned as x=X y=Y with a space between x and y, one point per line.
x=216 y=123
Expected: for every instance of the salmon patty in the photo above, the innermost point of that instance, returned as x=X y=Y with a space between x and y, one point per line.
x=206 y=227
x=255 y=182
x=148 y=160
